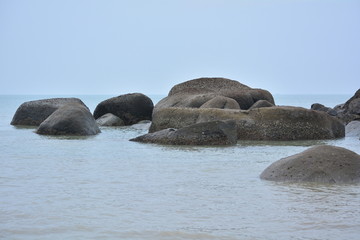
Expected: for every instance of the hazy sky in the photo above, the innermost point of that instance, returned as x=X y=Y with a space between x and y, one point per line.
x=116 y=47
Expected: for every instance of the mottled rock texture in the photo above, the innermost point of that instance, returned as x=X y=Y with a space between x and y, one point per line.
x=207 y=133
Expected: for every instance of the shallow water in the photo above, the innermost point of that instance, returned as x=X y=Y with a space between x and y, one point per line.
x=106 y=187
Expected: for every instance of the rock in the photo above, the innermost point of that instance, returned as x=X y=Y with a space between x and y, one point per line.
x=320 y=164
x=70 y=119
x=261 y=104
x=221 y=102
x=271 y=123
x=131 y=108
x=207 y=133
x=33 y=113
x=109 y=119
x=352 y=129
x=320 y=107
x=350 y=110
x=195 y=93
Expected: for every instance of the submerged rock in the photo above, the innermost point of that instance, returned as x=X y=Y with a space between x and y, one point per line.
x=70 y=119
x=321 y=164
x=33 y=113
x=207 y=133
x=271 y=123
x=131 y=108
x=109 y=120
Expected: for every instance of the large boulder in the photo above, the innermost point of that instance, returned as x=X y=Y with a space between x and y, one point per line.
x=131 y=108
x=70 y=119
x=352 y=129
x=321 y=164
x=109 y=120
x=207 y=133
x=195 y=93
x=271 y=123
x=33 y=113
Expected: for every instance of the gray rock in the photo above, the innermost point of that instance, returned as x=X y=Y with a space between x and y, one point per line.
x=350 y=110
x=207 y=133
x=320 y=164
x=33 y=113
x=271 y=123
x=261 y=104
x=109 y=119
x=131 y=108
x=70 y=119
x=195 y=93
x=352 y=129
x=221 y=102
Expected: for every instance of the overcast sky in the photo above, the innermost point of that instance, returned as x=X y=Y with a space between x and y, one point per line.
x=116 y=47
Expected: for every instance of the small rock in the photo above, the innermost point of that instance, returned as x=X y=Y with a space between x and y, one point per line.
x=109 y=120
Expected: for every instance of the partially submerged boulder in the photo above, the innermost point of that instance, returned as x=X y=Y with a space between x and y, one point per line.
x=207 y=133
x=195 y=93
x=110 y=120
x=271 y=123
x=321 y=164
x=70 y=119
x=33 y=113
x=131 y=108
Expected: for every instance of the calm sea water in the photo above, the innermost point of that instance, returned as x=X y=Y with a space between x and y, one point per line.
x=106 y=187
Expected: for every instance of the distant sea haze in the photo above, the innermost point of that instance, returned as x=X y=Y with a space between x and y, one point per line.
x=107 y=187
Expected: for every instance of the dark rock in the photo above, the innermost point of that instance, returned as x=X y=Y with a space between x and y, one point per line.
x=33 y=113
x=70 y=119
x=352 y=129
x=207 y=133
x=195 y=93
x=320 y=107
x=261 y=104
x=109 y=119
x=131 y=108
x=221 y=102
x=271 y=123
x=320 y=164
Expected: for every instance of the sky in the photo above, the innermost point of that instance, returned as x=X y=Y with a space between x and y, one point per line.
x=147 y=46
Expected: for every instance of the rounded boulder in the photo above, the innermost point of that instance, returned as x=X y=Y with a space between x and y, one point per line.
x=319 y=164
x=71 y=119
x=131 y=108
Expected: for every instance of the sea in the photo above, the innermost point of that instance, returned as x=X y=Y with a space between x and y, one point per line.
x=107 y=187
